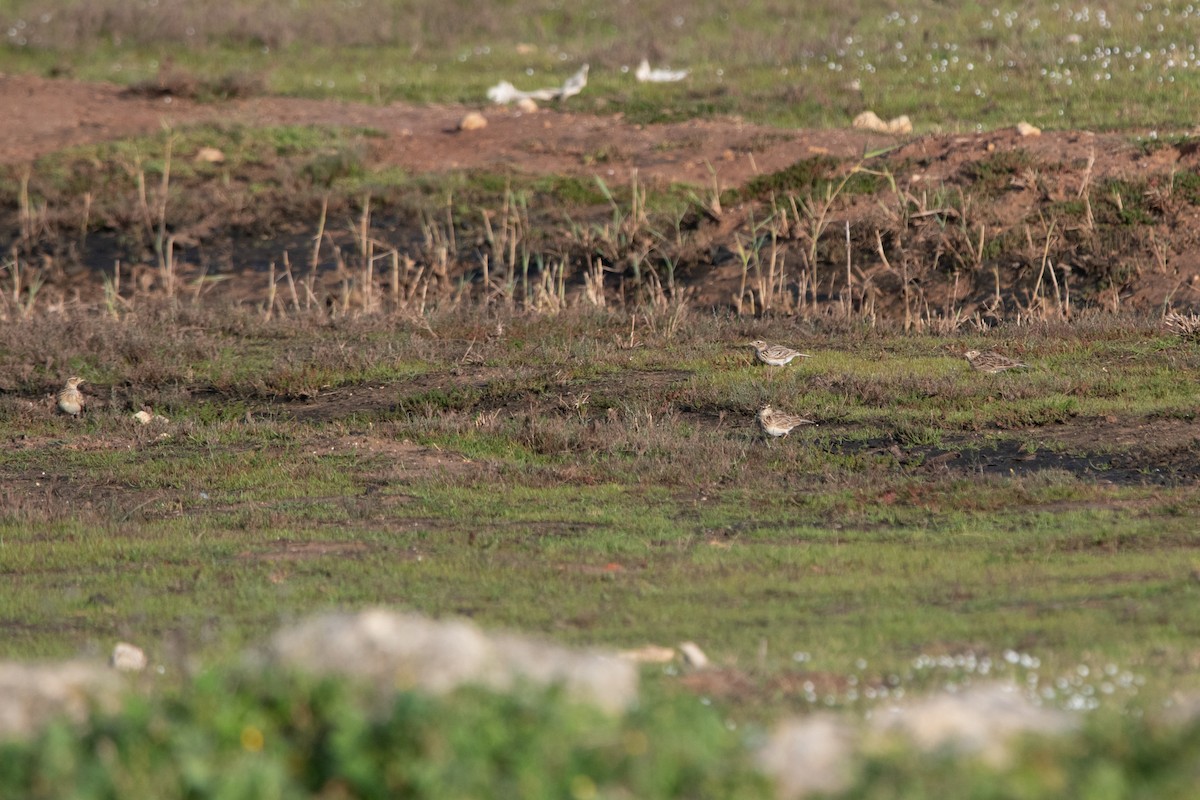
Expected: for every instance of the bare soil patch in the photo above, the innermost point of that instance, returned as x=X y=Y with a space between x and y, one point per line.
x=47 y=115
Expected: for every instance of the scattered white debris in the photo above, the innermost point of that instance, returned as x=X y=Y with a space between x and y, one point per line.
x=659 y=75
x=145 y=416
x=127 y=658
x=650 y=654
x=1025 y=129
x=473 y=121
x=574 y=84
x=870 y=121
x=693 y=656
x=504 y=92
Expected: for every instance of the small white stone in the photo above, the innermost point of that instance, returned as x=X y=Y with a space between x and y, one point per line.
x=693 y=656
x=127 y=658
x=1025 y=129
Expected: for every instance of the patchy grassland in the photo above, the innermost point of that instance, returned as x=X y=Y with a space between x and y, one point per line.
x=559 y=481
x=938 y=525
x=592 y=473
x=1055 y=65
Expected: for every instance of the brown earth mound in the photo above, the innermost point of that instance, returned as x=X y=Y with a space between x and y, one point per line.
x=961 y=222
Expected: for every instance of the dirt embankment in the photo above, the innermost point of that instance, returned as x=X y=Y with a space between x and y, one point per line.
x=952 y=225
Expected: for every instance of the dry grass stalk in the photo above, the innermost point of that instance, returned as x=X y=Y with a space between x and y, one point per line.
x=24 y=209
x=1183 y=325
x=287 y=273
x=593 y=283
x=160 y=239
x=270 y=304
x=908 y=317
x=25 y=287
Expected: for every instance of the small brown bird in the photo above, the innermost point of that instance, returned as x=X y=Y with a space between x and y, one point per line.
x=992 y=362
x=775 y=354
x=779 y=423
x=70 y=399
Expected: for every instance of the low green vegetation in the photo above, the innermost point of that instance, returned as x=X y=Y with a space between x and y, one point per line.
x=1055 y=65
x=231 y=735
x=561 y=483
x=252 y=737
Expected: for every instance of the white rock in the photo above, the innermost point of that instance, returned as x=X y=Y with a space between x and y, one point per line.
x=693 y=656
x=870 y=121
x=528 y=105
x=1025 y=129
x=127 y=658
x=901 y=124
x=394 y=650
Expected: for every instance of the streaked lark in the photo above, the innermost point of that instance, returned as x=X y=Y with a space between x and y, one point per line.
x=992 y=362
x=779 y=423
x=70 y=399
x=775 y=354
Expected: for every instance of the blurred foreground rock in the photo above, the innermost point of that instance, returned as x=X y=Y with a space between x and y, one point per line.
x=33 y=694
x=809 y=755
x=817 y=754
x=981 y=721
x=393 y=650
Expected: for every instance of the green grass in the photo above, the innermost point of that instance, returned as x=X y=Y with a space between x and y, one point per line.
x=986 y=66
x=609 y=506
x=620 y=502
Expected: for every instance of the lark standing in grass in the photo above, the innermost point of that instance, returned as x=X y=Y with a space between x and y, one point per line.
x=70 y=399
x=779 y=423
x=992 y=362
x=775 y=354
